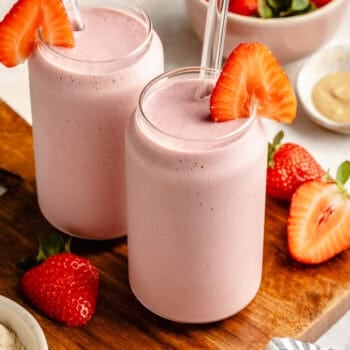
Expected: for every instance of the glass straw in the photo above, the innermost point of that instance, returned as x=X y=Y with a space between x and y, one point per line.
x=213 y=42
x=74 y=14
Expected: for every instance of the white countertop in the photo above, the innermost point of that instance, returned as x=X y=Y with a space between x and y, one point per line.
x=182 y=48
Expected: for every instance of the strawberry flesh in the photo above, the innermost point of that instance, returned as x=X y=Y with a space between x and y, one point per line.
x=318 y=222
x=18 y=32
x=252 y=75
x=55 y=26
x=18 y=29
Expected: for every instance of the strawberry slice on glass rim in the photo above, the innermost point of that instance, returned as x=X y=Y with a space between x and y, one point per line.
x=56 y=27
x=252 y=75
x=19 y=28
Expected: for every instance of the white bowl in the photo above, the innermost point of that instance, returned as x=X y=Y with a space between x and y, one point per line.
x=327 y=61
x=289 y=38
x=16 y=318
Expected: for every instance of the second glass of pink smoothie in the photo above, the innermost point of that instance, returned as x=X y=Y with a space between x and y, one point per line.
x=81 y=101
x=196 y=203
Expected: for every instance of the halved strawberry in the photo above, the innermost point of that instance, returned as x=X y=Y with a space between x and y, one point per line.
x=18 y=29
x=251 y=75
x=55 y=25
x=319 y=219
x=18 y=32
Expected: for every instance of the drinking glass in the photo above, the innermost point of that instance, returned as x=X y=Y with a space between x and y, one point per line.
x=80 y=107
x=196 y=203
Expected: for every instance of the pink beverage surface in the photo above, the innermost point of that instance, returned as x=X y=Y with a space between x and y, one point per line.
x=79 y=110
x=195 y=210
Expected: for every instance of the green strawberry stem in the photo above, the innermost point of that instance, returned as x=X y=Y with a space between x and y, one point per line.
x=273 y=147
x=342 y=177
x=48 y=246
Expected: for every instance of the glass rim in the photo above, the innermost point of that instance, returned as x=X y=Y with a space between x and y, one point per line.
x=134 y=53
x=183 y=71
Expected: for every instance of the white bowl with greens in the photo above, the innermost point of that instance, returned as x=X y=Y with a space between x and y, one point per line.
x=290 y=37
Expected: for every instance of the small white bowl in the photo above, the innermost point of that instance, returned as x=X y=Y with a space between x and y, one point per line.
x=327 y=61
x=16 y=318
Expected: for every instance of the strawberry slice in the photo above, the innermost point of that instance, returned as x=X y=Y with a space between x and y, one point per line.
x=253 y=75
x=319 y=220
x=244 y=7
x=18 y=32
x=320 y=3
x=18 y=29
x=55 y=25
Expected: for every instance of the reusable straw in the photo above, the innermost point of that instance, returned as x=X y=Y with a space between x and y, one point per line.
x=74 y=14
x=213 y=42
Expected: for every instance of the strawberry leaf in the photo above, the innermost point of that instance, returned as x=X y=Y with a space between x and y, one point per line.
x=273 y=147
x=48 y=246
x=327 y=176
x=278 y=138
x=300 y=5
x=264 y=10
x=343 y=173
x=27 y=263
x=284 y=8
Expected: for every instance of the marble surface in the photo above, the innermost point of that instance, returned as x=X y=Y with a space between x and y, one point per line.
x=182 y=48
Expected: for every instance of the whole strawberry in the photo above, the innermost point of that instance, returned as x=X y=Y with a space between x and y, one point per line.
x=64 y=287
x=289 y=166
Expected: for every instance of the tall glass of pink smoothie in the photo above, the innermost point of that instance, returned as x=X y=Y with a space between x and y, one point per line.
x=81 y=101
x=196 y=203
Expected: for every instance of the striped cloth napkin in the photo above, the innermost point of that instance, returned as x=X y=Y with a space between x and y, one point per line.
x=291 y=344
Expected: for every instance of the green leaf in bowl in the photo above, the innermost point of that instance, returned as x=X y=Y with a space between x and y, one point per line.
x=300 y=5
x=279 y=5
x=264 y=10
x=284 y=8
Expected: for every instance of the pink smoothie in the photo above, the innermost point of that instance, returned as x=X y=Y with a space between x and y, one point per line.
x=196 y=203
x=81 y=100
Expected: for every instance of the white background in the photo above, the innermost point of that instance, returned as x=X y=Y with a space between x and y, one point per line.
x=182 y=48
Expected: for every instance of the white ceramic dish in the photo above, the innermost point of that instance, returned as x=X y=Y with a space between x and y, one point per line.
x=289 y=39
x=20 y=321
x=327 y=61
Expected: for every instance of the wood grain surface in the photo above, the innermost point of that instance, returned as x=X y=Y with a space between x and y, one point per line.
x=293 y=300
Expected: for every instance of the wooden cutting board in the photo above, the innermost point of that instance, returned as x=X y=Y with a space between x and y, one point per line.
x=293 y=300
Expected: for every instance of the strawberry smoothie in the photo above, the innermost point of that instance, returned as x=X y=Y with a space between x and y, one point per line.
x=196 y=203
x=81 y=100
